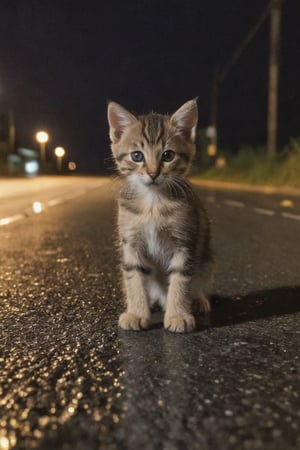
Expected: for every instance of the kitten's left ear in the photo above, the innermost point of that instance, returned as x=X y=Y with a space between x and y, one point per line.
x=185 y=119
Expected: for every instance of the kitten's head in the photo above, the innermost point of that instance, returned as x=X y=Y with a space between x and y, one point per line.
x=154 y=147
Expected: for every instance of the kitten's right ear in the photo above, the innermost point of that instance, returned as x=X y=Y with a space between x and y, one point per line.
x=185 y=119
x=119 y=119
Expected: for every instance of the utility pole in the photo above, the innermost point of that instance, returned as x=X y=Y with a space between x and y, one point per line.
x=272 y=9
x=214 y=112
x=11 y=131
x=275 y=19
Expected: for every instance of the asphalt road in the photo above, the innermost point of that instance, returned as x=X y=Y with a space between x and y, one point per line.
x=69 y=379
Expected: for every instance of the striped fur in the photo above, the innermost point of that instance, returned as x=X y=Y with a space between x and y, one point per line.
x=163 y=227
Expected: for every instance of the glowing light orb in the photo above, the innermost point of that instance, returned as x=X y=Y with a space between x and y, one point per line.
x=37 y=207
x=59 y=152
x=42 y=137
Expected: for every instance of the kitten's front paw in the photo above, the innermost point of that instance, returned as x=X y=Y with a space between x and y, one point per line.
x=180 y=324
x=128 y=321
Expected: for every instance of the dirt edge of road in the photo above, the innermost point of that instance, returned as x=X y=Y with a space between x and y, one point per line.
x=232 y=186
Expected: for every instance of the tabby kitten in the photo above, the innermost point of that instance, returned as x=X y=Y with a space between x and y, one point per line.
x=163 y=227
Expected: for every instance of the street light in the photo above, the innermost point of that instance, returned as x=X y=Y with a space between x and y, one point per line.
x=72 y=166
x=42 y=137
x=59 y=153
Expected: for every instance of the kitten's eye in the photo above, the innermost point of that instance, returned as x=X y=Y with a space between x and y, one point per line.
x=137 y=156
x=168 y=156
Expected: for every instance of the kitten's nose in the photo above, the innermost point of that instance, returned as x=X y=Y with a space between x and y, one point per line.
x=153 y=175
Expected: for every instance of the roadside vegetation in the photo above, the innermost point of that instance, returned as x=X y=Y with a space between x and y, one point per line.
x=252 y=165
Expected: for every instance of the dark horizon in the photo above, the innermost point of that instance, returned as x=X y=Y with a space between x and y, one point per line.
x=60 y=64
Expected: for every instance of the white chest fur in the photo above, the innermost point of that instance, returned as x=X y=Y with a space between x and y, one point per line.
x=154 y=230
x=152 y=239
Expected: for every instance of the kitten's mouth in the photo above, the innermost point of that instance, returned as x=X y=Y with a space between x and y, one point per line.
x=155 y=182
x=151 y=182
x=148 y=181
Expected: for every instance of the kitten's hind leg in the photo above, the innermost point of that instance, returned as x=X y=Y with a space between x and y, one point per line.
x=201 y=304
x=200 y=287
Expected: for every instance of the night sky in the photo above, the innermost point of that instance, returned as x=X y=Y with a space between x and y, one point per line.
x=61 y=60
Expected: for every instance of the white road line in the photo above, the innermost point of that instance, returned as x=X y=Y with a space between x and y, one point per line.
x=11 y=219
x=58 y=201
x=290 y=216
x=50 y=203
x=55 y=201
x=75 y=195
x=234 y=203
x=266 y=212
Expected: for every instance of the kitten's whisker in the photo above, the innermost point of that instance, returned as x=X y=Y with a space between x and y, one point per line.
x=185 y=186
x=178 y=189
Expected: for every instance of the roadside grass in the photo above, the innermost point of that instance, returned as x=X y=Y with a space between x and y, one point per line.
x=252 y=165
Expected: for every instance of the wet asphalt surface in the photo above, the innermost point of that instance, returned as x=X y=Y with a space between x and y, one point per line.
x=69 y=379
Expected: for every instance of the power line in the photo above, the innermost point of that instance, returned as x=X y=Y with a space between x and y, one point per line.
x=245 y=42
x=272 y=9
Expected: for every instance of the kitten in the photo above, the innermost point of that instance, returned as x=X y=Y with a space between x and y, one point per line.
x=163 y=227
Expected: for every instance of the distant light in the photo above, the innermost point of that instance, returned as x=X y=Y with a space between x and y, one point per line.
x=211 y=150
x=37 y=207
x=31 y=167
x=221 y=162
x=211 y=132
x=59 y=152
x=42 y=137
x=72 y=165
